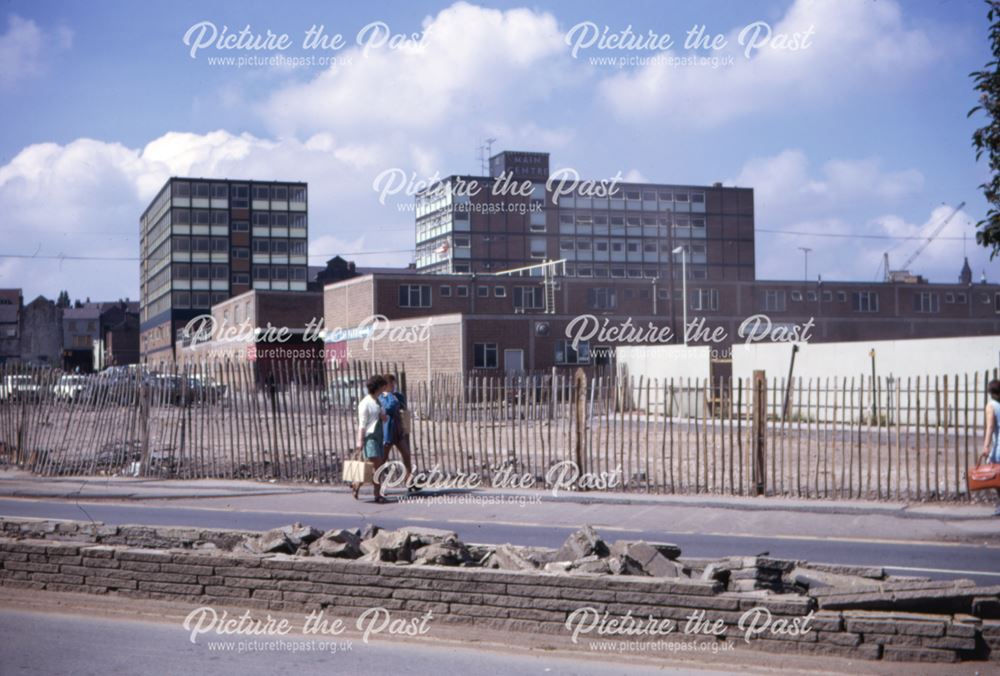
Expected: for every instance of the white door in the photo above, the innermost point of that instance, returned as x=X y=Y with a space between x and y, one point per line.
x=513 y=361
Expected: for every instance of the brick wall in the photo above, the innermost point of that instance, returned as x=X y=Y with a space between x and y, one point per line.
x=64 y=556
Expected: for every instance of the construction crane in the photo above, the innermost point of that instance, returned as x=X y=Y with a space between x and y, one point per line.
x=920 y=249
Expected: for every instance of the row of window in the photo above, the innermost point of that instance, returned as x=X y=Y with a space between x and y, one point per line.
x=239 y=192
x=591 y=219
x=606 y=298
x=197 y=299
x=487 y=355
x=621 y=246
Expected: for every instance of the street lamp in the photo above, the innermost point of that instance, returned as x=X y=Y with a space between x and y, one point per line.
x=684 y=288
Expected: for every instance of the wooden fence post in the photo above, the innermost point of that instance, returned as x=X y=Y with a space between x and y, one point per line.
x=759 y=431
x=580 y=385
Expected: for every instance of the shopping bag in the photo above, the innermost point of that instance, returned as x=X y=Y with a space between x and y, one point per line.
x=982 y=477
x=358 y=471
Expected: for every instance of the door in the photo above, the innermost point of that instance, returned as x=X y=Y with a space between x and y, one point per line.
x=513 y=361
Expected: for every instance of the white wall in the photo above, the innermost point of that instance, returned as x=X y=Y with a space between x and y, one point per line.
x=661 y=363
x=897 y=358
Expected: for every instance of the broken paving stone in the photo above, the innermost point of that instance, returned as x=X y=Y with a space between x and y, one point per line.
x=369 y=531
x=583 y=542
x=641 y=558
x=301 y=535
x=421 y=537
x=509 y=557
x=340 y=543
x=272 y=542
x=442 y=554
x=593 y=565
x=666 y=549
x=390 y=545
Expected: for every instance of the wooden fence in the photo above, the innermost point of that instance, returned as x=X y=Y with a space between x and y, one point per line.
x=820 y=438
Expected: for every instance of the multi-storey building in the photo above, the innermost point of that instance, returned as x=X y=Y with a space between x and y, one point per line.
x=603 y=229
x=206 y=240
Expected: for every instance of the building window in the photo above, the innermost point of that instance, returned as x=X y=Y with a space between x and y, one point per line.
x=241 y=278
x=796 y=296
x=568 y=355
x=774 y=300
x=444 y=291
x=961 y=298
x=528 y=297
x=538 y=247
x=240 y=197
x=485 y=355
x=483 y=291
x=462 y=291
x=566 y=245
x=241 y=226
x=926 y=302
x=414 y=295
x=698 y=197
x=500 y=291
x=811 y=296
x=828 y=296
x=704 y=299
x=842 y=296
x=601 y=298
x=865 y=301
x=583 y=244
x=949 y=298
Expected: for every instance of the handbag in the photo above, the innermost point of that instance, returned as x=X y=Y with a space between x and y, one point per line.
x=358 y=471
x=982 y=477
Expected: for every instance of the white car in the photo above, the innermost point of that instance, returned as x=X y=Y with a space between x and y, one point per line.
x=69 y=387
x=15 y=388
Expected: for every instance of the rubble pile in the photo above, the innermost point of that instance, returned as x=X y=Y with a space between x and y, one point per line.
x=835 y=587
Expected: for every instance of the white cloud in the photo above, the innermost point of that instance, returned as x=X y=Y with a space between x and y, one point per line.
x=854 y=42
x=22 y=49
x=785 y=182
x=471 y=61
x=85 y=198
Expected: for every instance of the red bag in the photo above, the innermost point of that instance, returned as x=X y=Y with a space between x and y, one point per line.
x=982 y=477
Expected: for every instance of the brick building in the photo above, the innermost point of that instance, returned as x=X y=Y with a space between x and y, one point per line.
x=604 y=230
x=499 y=322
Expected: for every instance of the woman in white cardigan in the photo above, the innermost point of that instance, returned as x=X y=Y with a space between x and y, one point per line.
x=370 y=437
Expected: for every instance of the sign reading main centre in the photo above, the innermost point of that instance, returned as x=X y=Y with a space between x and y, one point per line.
x=534 y=166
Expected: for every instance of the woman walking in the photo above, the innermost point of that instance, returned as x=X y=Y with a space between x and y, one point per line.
x=396 y=434
x=991 y=441
x=370 y=434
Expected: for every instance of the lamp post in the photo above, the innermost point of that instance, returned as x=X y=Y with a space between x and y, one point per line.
x=684 y=289
x=805 y=250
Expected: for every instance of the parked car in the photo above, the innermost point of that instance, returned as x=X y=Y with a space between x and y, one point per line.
x=69 y=387
x=205 y=389
x=344 y=393
x=20 y=388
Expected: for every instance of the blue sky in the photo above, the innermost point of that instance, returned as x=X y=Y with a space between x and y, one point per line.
x=861 y=133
